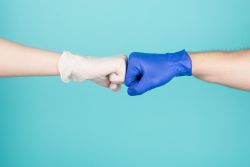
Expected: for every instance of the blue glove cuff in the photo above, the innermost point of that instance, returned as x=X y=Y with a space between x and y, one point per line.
x=182 y=58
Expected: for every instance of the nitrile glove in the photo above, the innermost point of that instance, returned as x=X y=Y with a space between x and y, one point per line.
x=146 y=71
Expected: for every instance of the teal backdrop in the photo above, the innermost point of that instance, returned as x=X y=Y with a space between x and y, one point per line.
x=186 y=123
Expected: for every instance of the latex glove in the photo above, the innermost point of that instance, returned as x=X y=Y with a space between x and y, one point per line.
x=106 y=71
x=146 y=71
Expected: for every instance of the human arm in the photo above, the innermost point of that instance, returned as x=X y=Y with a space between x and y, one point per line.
x=147 y=71
x=226 y=68
x=20 y=60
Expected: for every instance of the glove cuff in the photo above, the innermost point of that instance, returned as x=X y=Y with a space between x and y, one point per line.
x=63 y=66
x=185 y=63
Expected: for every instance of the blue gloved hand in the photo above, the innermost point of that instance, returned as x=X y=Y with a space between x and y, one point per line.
x=146 y=71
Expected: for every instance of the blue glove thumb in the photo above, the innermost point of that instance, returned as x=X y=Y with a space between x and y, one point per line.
x=146 y=71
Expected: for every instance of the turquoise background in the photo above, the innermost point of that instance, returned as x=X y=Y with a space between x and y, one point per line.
x=46 y=123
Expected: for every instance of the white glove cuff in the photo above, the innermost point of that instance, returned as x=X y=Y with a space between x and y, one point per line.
x=64 y=68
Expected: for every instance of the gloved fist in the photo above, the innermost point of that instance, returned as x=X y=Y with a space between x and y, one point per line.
x=105 y=71
x=146 y=71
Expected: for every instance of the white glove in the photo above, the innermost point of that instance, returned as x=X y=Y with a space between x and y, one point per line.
x=106 y=71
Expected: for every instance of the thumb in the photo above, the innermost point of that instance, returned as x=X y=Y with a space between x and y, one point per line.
x=117 y=78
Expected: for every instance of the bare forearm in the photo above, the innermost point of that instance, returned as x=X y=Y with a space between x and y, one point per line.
x=226 y=68
x=20 y=60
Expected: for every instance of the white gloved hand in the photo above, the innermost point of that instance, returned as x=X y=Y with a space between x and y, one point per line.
x=106 y=71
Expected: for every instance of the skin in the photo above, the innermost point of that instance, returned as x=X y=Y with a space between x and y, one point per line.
x=226 y=68
x=19 y=60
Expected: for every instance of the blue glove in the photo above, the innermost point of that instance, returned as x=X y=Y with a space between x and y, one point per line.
x=146 y=71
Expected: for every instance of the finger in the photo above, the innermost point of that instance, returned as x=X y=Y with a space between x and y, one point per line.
x=118 y=76
x=103 y=81
x=118 y=88
x=113 y=86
